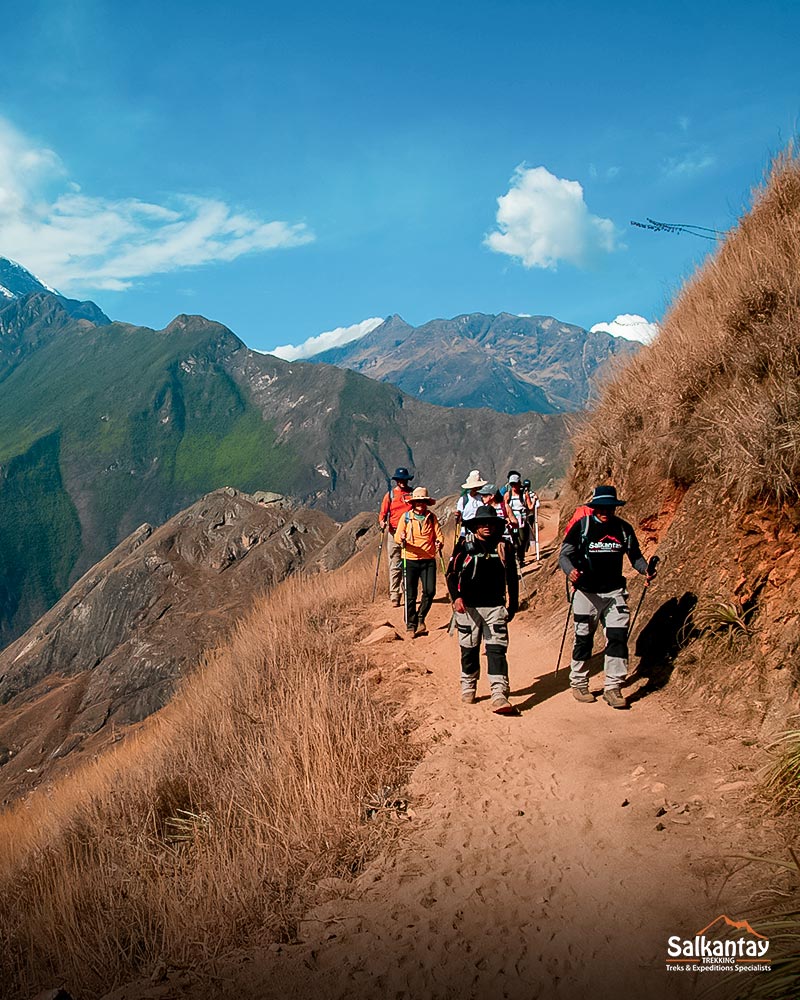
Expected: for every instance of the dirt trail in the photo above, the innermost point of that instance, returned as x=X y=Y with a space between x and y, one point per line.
x=531 y=865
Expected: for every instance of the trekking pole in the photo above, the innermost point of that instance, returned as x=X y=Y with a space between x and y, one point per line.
x=378 y=563
x=405 y=587
x=564 y=636
x=536 y=531
x=651 y=568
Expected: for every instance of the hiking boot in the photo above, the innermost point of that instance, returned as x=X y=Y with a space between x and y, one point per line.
x=396 y=601
x=468 y=697
x=614 y=698
x=502 y=706
x=583 y=694
x=420 y=629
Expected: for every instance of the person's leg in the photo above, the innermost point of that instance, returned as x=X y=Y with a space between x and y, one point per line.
x=395 y=570
x=585 y=614
x=427 y=571
x=469 y=625
x=616 y=617
x=412 y=585
x=495 y=634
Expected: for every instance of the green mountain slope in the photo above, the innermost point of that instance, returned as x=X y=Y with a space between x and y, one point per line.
x=105 y=425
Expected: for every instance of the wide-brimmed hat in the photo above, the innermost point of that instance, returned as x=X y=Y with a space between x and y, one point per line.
x=420 y=495
x=483 y=515
x=488 y=490
x=474 y=481
x=402 y=473
x=605 y=496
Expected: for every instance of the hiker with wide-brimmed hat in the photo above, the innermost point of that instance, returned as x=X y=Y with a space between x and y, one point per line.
x=393 y=506
x=591 y=556
x=483 y=584
x=419 y=535
x=471 y=499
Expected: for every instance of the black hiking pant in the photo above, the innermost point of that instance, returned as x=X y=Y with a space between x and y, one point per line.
x=419 y=571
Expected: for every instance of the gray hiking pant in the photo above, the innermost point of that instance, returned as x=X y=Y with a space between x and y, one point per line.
x=491 y=625
x=611 y=609
x=395 y=566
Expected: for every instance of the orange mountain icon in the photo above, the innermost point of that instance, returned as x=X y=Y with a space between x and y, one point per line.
x=737 y=925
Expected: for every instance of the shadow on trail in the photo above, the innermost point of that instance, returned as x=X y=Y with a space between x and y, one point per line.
x=659 y=643
x=548 y=685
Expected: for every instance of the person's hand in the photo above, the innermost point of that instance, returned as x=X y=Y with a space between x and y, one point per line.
x=382 y=525
x=649 y=577
x=439 y=546
x=458 y=606
x=574 y=576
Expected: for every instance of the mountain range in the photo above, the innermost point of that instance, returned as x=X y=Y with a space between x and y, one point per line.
x=509 y=363
x=106 y=425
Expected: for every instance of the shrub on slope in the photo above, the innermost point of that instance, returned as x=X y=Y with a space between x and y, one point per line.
x=717 y=395
x=202 y=834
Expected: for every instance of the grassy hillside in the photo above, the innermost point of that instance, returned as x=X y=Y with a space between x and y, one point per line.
x=245 y=792
x=701 y=432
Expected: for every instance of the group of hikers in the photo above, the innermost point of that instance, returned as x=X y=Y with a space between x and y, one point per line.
x=494 y=529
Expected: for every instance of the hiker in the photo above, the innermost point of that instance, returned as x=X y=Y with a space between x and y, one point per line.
x=471 y=500
x=591 y=556
x=483 y=584
x=490 y=496
x=531 y=499
x=419 y=535
x=393 y=506
x=517 y=515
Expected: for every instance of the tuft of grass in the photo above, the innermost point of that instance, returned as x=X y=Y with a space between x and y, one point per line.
x=206 y=832
x=783 y=774
x=722 y=619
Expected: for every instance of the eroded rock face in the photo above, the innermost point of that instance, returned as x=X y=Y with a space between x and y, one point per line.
x=109 y=653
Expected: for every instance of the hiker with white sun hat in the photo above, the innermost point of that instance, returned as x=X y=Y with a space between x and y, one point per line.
x=471 y=500
x=420 y=538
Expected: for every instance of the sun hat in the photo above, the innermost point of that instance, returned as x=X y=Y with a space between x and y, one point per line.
x=401 y=473
x=474 y=481
x=420 y=495
x=605 y=496
x=483 y=515
x=514 y=477
x=488 y=490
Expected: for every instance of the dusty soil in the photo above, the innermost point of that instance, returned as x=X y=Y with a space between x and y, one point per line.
x=545 y=856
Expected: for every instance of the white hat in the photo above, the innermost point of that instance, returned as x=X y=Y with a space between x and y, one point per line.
x=474 y=481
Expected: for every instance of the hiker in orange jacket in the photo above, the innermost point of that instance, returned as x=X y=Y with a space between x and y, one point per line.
x=420 y=536
x=393 y=506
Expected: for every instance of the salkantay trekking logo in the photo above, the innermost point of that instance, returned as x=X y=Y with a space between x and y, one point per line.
x=715 y=949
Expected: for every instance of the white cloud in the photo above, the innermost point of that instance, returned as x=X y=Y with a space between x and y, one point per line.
x=76 y=240
x=630 y=326
x=324 y=341
x=543 y=219
x=689 y=165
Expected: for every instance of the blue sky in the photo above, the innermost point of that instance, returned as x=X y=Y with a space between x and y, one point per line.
x=291 y=170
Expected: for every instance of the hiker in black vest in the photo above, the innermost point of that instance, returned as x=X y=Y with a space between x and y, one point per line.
x=482 y=580
x=591 y=556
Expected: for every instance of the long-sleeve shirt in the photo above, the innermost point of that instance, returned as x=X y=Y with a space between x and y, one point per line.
x=394 y=505
x=484 y=574
x=598 y=555
x=420 y=535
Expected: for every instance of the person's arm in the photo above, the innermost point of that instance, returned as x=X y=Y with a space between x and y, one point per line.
x=638 y=561
x=568 y=555
x=454 y=570
x=438 y=531
x=383 y=517
x=400 y=532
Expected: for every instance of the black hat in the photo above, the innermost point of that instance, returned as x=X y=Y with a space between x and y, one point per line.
x=483 y=515
x=605 y=496
x=403 y=474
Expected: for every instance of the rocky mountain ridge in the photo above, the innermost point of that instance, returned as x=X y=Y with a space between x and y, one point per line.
x=111 y=651
x=104 y=426
x=508 y=363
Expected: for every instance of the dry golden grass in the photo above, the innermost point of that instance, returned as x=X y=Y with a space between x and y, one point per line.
x=202 y=834
x=717 y=395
